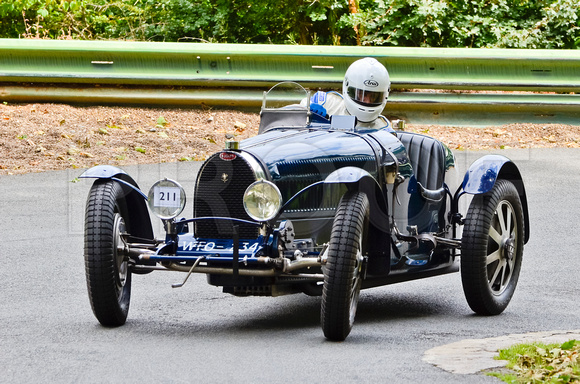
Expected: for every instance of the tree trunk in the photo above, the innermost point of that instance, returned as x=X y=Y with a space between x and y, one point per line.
x=353 y=8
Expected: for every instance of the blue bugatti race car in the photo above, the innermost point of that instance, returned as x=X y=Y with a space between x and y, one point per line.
x=313 y=206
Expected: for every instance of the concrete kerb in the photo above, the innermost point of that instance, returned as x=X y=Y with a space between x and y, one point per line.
x=474 y=355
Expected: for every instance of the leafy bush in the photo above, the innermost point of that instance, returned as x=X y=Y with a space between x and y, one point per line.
x=432 y=23
x=476 y=23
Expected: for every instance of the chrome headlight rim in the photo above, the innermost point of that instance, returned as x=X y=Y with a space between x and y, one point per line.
x=166 y=199
x=275 y=200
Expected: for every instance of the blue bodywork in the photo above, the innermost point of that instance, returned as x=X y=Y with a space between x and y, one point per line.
x=485 y=171
x=113 y=173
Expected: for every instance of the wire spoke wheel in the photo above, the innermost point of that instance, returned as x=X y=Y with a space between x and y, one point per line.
x=106 y=265
x=501 y=246
x=343 y=269
x=492 y=249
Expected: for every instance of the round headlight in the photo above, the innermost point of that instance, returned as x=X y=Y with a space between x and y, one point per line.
x=262 y=200
x=166 y=199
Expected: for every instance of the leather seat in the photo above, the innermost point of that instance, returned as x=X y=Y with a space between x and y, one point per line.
x=427 y=157
x=427 y=205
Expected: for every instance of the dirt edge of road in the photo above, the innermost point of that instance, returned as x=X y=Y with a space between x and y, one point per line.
x=43 y=137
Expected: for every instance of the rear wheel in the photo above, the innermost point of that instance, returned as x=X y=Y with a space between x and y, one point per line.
x=343 y=269
x=492 y=248
x=106 y=266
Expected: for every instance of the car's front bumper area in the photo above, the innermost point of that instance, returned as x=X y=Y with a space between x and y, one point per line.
x=264 y=257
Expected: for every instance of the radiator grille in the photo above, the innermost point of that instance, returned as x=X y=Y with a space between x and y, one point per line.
x=219 y=191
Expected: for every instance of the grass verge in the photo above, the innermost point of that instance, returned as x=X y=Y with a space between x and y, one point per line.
x=541 y=363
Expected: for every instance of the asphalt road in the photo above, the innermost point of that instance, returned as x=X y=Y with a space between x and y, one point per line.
x=198 y=334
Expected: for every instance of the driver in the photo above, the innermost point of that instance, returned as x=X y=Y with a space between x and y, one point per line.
x=365 y=90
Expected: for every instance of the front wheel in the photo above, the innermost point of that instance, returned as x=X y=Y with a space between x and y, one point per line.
x=342 y=272
x=106 y=267
x=492 y=248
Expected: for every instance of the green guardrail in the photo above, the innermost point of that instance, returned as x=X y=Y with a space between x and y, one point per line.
x=235 y=75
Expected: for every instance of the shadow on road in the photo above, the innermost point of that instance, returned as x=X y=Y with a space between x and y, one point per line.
x=286 y=314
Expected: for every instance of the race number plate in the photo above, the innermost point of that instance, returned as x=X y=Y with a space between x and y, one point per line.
x=166 y=196
x=166 y=199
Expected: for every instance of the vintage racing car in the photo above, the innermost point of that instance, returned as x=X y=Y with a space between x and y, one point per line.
x=314 y=206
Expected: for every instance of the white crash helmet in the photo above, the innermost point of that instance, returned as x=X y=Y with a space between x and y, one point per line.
x=365 y=89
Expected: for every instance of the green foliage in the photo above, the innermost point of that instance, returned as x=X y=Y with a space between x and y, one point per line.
x=475 y=23
x=433 y=23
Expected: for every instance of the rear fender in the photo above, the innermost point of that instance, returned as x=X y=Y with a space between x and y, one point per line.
x=484 y=172
x=134 y=204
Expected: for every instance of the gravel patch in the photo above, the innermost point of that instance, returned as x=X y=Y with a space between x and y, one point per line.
x=42 y=137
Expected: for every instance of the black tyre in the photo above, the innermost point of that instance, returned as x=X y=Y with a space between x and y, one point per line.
x=107 y=270
x=492 y=248
x=342 y=272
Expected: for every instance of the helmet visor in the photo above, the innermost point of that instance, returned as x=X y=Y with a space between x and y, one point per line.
x=365 y=97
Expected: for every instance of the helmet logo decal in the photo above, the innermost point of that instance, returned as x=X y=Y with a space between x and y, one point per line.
x=371 y=83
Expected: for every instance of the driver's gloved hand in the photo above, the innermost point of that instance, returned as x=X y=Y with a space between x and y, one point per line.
x=319 y=110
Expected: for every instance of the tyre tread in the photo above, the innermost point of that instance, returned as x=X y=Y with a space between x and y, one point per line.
x=100 y=270
x=343 y=247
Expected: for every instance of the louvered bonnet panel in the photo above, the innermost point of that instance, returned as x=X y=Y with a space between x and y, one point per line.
x=297 y=174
